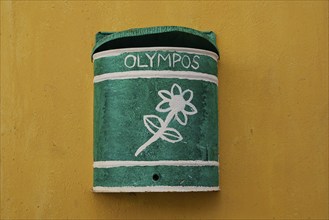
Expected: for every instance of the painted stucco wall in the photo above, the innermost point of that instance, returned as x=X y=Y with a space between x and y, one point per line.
x=273 y=103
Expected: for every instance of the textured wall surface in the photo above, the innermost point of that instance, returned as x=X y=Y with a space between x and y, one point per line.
x=273 y=103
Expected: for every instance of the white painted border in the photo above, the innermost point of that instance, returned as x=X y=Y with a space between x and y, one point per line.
x=116 y=52
x=193 y=163
x=155 y=189
x=157 y=74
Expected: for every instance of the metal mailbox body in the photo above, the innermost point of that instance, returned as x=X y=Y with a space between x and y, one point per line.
x=155 y=111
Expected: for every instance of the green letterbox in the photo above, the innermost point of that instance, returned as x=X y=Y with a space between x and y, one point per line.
x=155 y=111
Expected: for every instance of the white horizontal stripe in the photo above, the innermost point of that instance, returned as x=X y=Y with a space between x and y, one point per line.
x=157 y=74
x=117 y=52
x=155 y=189
x=198 y=163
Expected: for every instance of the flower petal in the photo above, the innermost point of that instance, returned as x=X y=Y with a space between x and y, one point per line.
x=165 y=95
x=190 y=109
x=176 y=90
x=181 y=118
x=163 y=106
x=188 y=95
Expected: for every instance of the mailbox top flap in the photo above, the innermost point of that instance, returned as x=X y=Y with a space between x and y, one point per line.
x=162 y=36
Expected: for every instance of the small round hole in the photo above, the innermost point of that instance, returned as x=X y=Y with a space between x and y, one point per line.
x=156 y=177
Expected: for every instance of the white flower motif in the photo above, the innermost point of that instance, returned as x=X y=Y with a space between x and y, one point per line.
x=177 y=101
x=178 y=105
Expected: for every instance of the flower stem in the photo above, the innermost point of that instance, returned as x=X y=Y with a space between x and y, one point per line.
x=158 y=134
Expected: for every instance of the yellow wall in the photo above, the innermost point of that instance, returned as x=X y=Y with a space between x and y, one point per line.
x=273 y=103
